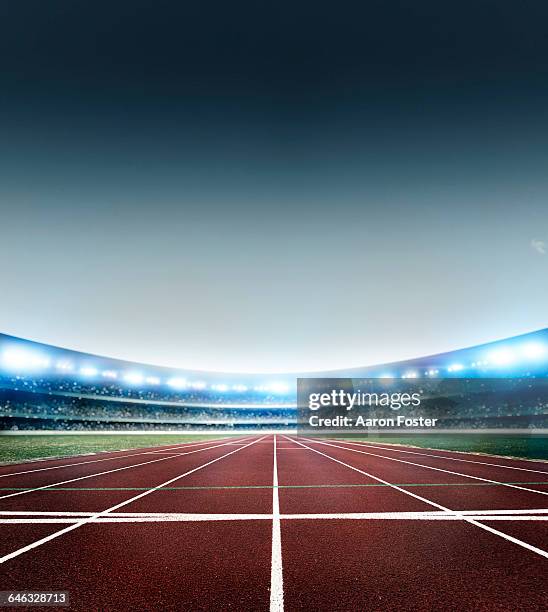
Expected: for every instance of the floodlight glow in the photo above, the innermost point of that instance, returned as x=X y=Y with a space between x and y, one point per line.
x=386 y=376
x=88 y=371
x=134 y=378
x=64 y=365
x=240 y=388
x=410 y=375
x=278 y=387
x=220 y=387
x=199 y=384
x=456 y=367
x=533 y=350
x=110 y=374
x=501 y=357
x=21 y=359
x=177 y=383
x=152 y=380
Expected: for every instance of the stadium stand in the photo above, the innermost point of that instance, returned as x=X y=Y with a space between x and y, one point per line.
x=44 y=387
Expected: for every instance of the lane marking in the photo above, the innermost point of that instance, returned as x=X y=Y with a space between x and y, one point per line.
x=157 y=452
x=43 y=513
x=160 y=517
x=97 y=515
x=276 y=569
x=398 y=450
x=126 y=467
x=429 y=467
x=501 y=534
x=303 y=486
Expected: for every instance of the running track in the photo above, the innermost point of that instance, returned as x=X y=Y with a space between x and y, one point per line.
x=278 y=522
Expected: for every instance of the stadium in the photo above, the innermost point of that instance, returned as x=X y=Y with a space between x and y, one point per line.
x=273 y=314
x=126 y=486
x=48 y=388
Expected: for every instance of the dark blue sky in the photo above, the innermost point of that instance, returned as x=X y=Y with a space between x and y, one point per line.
x=247 y=186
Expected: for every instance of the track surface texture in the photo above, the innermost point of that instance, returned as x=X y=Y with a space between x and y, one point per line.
x=276 y=523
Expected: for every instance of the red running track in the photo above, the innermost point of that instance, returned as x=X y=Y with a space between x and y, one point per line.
x=278 y=523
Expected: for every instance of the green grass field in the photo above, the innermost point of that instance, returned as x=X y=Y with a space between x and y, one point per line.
x=513 y=445
x=22 y=448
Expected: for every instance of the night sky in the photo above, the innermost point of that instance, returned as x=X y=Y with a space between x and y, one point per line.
x=273 y=186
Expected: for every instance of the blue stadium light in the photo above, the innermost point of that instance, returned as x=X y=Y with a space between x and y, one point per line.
x=386 y=376
x=410 y=375
x=177 y=383
x=15 y=358
x=110 y=374
x=134 y=378
x=456 y=367
x=221 y=387
x=501 y=357
x=152 y=380
x=88 y=371
x=64 y=365
x=240 y=388
x=533 y=350
x=278 y=387
x=198 y=384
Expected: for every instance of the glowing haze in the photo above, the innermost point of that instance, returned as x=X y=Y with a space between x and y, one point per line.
x=244 y=188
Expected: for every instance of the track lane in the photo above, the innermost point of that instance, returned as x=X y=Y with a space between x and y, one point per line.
x=102 y=564
x=44 y=480
x=95 y=491
x=115 y=507
x=239 y=484
x=29 y=467
x=515 y=463
x=459 y=492
x=529 y=547
x=311 y=483
x=407 y=566
x=465 y=466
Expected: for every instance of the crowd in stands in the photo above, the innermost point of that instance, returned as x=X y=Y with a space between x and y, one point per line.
x=43 y=404
x=147 y=393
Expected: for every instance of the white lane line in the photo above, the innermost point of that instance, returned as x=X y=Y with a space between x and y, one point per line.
x=181 y=517
x=501 y=534
x=97 y=515
x=518 y=512
x=429 y=467
x=157 y=452
x=276 y=570
x=399 y=450
x=126 y=467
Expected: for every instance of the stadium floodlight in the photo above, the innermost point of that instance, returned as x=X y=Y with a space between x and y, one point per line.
x=88 y=371
x=240 y=388
x=16 y=358
x=152 y=380
x=386 y=376
x=533 y=350
x=220 y=387
x=110 y=374
x=177 y=383
x=502 y=356
x=64 y=365
x=133 y=378
x=278 y=387
x=410 y=375
x=456 y=367
x=199 y=384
